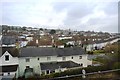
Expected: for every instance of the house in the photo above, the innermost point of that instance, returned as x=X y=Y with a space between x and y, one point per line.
x=101 y=43
x=40 y=60
x=41 y=33
x=45 y=43
x=8 y=62
x=64 y=37
x=29 y=38
x=59 y=44
x=51 y=67
x=8 y=41
x=32 y=44
x=23 y=42
x=70 y=43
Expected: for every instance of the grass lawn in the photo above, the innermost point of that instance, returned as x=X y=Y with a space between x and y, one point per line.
x=98 y=52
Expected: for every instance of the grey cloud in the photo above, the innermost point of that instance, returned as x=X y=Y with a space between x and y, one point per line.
x=110 y=8
x=75 y=11
x=15 y=13
x=95 y=21
x=19 y=13
x=60 y=6
x=109 y=24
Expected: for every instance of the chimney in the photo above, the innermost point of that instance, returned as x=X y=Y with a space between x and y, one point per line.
x=36 y=41
x=52 y=40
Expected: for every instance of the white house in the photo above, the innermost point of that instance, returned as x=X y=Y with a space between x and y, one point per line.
x=40 y=60
x=29 y=38
x=102 y=43
x=71 y=43
x=23 y=42
x=42 y=33
x=8 y=63
x=64 y=37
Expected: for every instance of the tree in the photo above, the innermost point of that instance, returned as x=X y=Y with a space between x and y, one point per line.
x=52 y=31
x=41 y=29
x=109 y=48
x=24 y=28
x=12 y=27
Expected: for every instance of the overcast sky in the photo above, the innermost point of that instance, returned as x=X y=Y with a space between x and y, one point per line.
x=97 y=15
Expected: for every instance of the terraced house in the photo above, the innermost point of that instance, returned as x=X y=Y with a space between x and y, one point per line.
x=44 y=60
x=8 y=62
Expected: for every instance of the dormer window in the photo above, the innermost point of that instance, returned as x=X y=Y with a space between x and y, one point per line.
x=6 y=57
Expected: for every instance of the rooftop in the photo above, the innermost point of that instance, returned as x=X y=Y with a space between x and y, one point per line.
x=57 y=65
x=9 y=68
x=44 y=51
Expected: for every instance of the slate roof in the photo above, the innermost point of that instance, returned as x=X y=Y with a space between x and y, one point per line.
x=70 y=51
x=8 y=40
x=8 y=68
x=57 y=65
x=13 y=51
x=45 y=51
x=45 y=42
x=103 y=41
x=100 y=41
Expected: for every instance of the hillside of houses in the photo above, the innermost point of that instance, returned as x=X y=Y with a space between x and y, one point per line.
x=28 y=51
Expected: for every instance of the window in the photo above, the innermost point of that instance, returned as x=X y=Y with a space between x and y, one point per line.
x=2 y=74
x=63 y=58
x=47 y=72
x=81 y=64
x=72 y=57
x=43 y=72
x=52 y=71
x=38 y=59
x=27 y=60
x=48 y=58
x=27 y=67
x=8 y=74
x=80 y=57
x=6 y=57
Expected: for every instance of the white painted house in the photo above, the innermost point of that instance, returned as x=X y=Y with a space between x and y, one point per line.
x=71 y=43
x=8 y=63
x=29 y=38
x=47 y=60
x=64 y=37
x=23 y=42
x=100 y=44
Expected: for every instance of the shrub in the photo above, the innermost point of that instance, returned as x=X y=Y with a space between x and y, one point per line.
x=99 y=51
